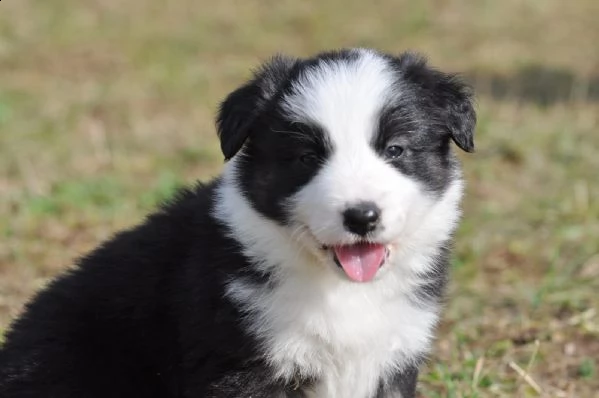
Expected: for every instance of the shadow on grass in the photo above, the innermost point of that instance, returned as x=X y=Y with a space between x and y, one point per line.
x=538 y=84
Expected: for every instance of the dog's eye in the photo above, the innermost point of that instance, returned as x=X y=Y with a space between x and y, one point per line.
x=309 y=158
x=393 y=152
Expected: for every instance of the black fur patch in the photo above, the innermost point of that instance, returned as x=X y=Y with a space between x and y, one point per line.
x=278 y=161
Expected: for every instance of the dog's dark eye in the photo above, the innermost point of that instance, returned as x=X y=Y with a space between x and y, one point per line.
x=309 y=159
x=393 y=152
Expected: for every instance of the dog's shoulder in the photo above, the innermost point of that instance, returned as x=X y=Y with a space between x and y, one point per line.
x=126 y=270
x=143 y=295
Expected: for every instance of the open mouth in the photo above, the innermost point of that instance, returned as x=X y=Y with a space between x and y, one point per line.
x=360 y=261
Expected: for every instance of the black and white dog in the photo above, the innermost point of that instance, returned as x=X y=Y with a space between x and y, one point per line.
x=314 y=266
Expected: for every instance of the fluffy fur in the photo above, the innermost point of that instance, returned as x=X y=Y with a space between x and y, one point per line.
x=236 y=289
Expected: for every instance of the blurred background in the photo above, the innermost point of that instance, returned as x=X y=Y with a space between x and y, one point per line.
x=107 y=106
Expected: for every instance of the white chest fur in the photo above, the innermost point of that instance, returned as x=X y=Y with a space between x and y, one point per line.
x=347 y=336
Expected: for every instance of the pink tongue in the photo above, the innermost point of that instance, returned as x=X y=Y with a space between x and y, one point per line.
x=360 y=261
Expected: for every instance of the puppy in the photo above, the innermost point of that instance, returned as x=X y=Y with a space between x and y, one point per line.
x=314 y=266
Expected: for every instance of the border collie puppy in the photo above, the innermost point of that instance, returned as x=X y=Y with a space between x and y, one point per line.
x=314 y=266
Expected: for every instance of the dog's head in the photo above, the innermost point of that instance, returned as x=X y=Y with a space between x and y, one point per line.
x=350 y=152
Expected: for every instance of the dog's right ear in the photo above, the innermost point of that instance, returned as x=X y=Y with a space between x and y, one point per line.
x=240 y=109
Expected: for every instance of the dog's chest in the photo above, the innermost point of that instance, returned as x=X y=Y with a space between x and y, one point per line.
x=347 y=340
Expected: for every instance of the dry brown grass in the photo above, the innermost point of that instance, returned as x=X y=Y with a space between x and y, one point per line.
x=106 y=106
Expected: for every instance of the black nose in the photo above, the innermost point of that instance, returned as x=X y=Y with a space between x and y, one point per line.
x=362 y=218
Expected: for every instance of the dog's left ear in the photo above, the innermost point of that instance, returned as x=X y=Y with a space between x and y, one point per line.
x=456 y=100
x=451 y=99
x=241 y=108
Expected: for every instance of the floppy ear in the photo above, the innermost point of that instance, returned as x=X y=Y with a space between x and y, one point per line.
x=241 y=108
x=459 y=112
x=451 y=98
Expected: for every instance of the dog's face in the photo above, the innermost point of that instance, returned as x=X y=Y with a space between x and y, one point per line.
x=350 y=152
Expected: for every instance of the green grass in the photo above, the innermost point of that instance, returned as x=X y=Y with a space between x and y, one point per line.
x=107 y=108
x=587 y=369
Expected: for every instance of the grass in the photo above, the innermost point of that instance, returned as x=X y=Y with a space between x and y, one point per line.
x=107 y=108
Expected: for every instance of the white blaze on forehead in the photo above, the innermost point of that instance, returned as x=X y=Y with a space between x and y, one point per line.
x=343 y=96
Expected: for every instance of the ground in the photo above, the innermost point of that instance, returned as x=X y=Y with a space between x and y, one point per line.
x=107 y=106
